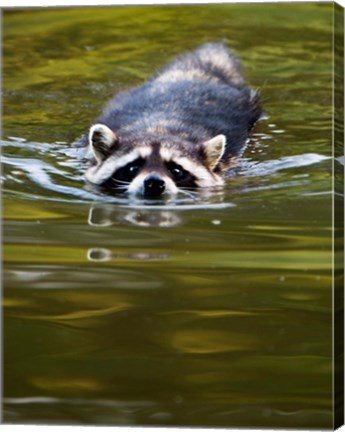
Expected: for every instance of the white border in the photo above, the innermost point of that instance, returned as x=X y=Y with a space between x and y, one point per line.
x=60 y=3
x=35 y=428
x=63 y=3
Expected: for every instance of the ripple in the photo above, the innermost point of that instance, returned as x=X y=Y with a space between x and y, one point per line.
x=270 y=167
x=56 y=173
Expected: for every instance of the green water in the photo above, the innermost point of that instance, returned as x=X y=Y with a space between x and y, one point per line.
x=208 y=312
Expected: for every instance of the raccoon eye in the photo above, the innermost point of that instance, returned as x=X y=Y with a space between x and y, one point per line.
x=177 y=172
x=129 y=171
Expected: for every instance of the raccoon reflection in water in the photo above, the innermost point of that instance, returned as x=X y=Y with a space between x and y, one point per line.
x=181 y=130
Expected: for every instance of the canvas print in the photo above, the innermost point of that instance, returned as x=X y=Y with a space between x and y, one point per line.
x=172 y=188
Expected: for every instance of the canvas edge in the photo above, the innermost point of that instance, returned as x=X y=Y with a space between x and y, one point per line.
x=338 y=208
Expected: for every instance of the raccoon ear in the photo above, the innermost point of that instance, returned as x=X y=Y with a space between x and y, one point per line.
x=101 y=139
x=214 y=150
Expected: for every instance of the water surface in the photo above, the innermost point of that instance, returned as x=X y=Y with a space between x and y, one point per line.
x=214 y=310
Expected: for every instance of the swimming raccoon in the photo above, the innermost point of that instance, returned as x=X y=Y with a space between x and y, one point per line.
x=180 y=130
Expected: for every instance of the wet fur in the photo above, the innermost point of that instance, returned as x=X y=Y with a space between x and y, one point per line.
x=198 y=96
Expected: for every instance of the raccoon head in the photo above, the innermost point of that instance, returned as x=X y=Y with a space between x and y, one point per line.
x=153 y=166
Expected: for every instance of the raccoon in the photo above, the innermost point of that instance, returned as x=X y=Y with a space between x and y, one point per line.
x=179 y=131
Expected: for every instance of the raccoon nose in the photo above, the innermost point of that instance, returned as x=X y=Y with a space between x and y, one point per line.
x=153 y=185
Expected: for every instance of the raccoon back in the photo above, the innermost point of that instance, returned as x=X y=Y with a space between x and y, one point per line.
x=211 y=62
x=199 y=95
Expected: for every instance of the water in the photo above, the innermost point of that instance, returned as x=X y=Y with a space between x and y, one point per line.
x=208 y=310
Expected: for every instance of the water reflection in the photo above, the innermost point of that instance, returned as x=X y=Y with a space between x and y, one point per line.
x=102 y=254
x=103 y=215
x=149 y=215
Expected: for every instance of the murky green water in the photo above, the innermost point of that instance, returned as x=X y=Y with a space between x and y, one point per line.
x=207 y=312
